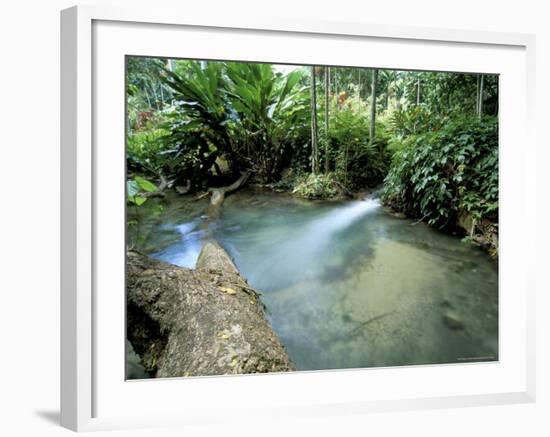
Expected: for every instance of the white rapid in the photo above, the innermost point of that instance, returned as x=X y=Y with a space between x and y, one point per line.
x=346 y=285
x=299 y=255
x=322 y=229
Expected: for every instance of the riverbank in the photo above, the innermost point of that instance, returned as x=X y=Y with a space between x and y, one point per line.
x=345 y=284
x=481 y=233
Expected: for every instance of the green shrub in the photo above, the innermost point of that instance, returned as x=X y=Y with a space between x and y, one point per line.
x=436 y=174
x=135 y=189
x=248 y=113
x=317 y=186
x=358 y=163
x=144 y=151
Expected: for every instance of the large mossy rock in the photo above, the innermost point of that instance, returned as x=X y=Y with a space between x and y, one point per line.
x=206 y=321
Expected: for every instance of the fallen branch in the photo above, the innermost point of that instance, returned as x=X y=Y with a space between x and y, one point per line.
x=163 y=183
x=206 y=321
x=160 y=189
x=201 y=196
x=420 y=220
x=369 y=321
x=184 y=189
x=218 y=194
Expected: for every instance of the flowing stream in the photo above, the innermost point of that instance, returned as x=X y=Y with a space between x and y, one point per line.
x=346 y=285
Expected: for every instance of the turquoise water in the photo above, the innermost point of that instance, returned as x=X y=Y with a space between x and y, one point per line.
x=346 y=285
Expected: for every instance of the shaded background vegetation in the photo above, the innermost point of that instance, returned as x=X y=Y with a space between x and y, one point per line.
x=319 y=132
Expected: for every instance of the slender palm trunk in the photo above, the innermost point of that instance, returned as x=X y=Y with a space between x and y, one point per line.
x=314 y=143
x=480 y=98
x=336 y=87
x=477 y=95
x=359 y=90
x=327 y=103
x=155 y=93
x=387 y=101
x=373 y=107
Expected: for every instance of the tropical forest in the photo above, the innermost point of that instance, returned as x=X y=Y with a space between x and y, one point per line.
x=308 y=217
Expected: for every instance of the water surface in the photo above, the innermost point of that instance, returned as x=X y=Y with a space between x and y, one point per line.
x=346 y=285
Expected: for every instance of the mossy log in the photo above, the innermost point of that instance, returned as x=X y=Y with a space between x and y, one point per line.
x=218 y=194
x=206 y=321
x=217 y=197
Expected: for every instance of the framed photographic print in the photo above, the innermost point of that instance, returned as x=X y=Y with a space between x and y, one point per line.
x=275 y=218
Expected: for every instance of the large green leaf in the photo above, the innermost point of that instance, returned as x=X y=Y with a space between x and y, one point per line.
x=132 y=188
x=137 y=200
x=145 y=185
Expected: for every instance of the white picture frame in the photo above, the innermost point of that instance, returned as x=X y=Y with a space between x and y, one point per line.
x=93 y=396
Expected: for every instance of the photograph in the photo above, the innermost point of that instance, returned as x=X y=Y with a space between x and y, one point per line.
x=284 y=218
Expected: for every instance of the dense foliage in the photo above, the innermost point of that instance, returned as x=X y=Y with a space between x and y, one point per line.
x=318 y=132
x=359 y=162
x=441 y=172
x=317 y=186
x=246 y=113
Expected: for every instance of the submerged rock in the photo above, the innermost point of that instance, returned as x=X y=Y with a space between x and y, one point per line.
x=453 y=322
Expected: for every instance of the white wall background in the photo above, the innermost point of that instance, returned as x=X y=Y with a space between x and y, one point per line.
x=29 y=216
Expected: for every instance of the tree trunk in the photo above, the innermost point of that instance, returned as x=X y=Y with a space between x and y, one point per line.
x=359 y=90
x=336 y=87
x=163 y=184
x=218 y=196
x=206 y=321
x=161 y=95
x=314 y=142
x=372 y=131
x=327 y=105
x=480 y=98
x=155 y=95
x=418 y=92
x=477 y=95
